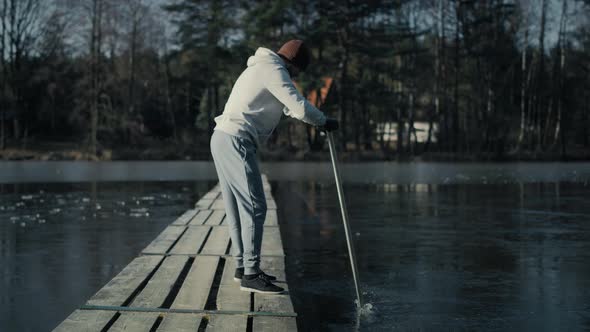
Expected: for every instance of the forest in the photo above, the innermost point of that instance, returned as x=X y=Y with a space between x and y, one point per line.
x=410 y=79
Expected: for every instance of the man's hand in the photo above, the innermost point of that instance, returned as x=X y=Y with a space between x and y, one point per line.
x=330 y=125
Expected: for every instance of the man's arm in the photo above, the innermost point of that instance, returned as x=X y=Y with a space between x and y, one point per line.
x=281 y=86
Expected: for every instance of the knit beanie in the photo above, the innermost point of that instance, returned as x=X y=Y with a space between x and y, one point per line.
x=296 y=52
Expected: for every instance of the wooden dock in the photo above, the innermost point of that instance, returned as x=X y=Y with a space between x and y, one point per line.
x=183 y=281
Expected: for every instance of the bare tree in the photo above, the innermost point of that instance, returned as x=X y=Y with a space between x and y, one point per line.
x=20 y=31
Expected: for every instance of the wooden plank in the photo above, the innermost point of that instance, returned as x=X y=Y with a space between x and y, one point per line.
x=211 y=195
x=85 y=321
x=191 y=241
x=274 y=324
x=200 y=218
x=197 y=284
x=164 y=241
x=204 y=204
x=272 y=218
x=270 y=204
x=230 y=297
x=271 y=242
x=217 y=242
x=185 y=217
x=218 y=205
x=118 y=290
x=158 y=287
x=215 y=218
x=180 y=323
x=227 y=323
x=134 y=322
x=274 y=303
x=274 y=265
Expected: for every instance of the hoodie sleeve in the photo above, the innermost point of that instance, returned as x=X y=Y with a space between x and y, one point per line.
x=281 y=86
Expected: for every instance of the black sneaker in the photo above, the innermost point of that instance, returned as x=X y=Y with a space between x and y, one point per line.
x=260 y=285
x=240 y=273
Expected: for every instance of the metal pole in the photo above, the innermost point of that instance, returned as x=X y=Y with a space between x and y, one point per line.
x=355 y=272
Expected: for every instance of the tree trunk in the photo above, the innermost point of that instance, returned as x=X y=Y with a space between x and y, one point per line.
x=342 y=95
x=169 y=109
x=410 y=123
x=3 y=101
x=562 y=49
x=455 y=121
x=523 y=86
x=96 y=43
x=540 y=78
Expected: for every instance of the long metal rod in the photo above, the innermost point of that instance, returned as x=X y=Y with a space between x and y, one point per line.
x=355 y=272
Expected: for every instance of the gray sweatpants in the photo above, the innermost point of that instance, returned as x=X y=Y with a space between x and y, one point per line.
x=243 y=196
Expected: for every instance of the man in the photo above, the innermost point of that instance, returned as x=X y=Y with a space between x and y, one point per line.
x=260 y=95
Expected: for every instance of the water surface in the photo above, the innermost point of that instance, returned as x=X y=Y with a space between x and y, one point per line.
x=495 y=257
x=61 y=242
x=490 y=247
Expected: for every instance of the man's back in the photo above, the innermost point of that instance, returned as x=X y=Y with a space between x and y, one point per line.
x=260 y=95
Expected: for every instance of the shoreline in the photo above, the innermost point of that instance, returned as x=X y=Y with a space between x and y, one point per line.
x=165 y=151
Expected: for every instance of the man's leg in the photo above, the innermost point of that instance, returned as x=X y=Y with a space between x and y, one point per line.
x=221 y=146
x=253 y=211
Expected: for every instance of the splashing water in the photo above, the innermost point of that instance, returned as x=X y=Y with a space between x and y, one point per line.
x=368 y=310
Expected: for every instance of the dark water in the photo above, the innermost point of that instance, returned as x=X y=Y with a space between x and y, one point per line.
x=61 y=242
x=493 y=247
x=460 y=257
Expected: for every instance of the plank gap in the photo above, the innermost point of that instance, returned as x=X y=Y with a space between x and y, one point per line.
x=203 y=325
x=157 y=324
x=212 y=298
x=111 y=322
x=142 y=285
x=250 y=324
x=176 y=241
x=205 y=240
x=178 y=283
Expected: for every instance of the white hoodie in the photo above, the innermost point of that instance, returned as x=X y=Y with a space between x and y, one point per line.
x=261 y=94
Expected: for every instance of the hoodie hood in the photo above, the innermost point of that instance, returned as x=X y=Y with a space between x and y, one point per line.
x=265 y=56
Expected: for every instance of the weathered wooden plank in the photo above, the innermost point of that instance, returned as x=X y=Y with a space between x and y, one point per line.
x=164 y=241
x=218 y=205
x=200 y=218
x=158 y=287
x=274 y=324
x=204 y=204
x=118 y=290
x=211 y=195
x=217 y=241
x=274 y=303
x=230 y=297
x=180 y=323
x=227 y=323
x=272 y=218
x=197 y=284
x=215 y=218
x=270 y=204
x=134 y=322
x=191 y=241
x=271 y=242
x=185 y=217
x=274 y=265
x=85 y=321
